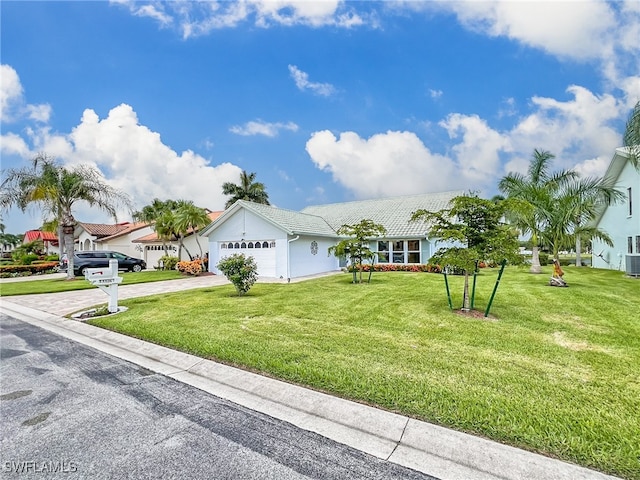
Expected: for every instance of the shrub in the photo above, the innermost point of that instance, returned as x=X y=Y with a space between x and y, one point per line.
x=28 y=259
x=190 y=268
x=25 y=270
x=397 y=267
x=167 y=262
x=240 y=270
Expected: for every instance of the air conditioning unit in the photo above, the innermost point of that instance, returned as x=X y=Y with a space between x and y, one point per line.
x=633 y=264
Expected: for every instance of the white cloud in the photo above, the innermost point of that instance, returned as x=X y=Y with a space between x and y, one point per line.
x=302 y=82
x=435 y=93
x=12 y=103
x=132 y=158
x=578 y=132
x=260 y=127
x=477 y=156
x=386 y=164
x=200 y=18
x=584 y=29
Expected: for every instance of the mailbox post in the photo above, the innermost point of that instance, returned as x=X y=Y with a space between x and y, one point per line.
x=107 y=280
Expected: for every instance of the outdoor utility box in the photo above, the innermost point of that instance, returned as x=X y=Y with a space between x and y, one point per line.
x=633 y=265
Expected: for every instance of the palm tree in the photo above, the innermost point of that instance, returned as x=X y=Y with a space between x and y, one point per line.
x=150 y=214
x=191 y=218
x=247 y=190
x=582 y=200
x=56 y=189
x=539 y=189
x=631 y=138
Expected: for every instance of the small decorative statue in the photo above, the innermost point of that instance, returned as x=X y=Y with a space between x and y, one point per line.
x=556 y=279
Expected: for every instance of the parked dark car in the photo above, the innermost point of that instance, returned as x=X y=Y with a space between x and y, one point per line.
x=100 y=258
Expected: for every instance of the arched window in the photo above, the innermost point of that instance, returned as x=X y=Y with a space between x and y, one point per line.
x=236 y=245
x=243 y=245
x=272 y=244
x=265 y=245
x=223 y=245
x=258 y=245
x=250 y=245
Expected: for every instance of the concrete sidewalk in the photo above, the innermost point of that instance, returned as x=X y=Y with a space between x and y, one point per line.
x=428 y=448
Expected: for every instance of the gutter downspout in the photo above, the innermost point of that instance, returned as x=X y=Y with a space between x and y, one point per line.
x=289 y=257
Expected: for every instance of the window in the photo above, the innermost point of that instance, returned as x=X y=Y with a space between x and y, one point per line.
x=243 y=245
x=236 y=245
x=630 y=202
x=258 y=245
x=637 y=243
x=383 y=251
x=413 y=251
x=399 y=251
x=250 y=245
x=629 y=244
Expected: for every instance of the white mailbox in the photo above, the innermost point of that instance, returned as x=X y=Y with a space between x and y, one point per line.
x=107 y=280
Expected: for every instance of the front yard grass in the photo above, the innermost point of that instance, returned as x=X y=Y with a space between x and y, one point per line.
x=54 y=285
x=557 y=371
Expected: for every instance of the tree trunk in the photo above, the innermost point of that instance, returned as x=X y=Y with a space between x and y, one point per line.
x=578 y=252
x=68 y=229
x=465 y=294
x=61 y=242
x=535 y=260
x=199 y=246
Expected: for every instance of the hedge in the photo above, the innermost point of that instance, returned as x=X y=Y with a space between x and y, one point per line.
x=20 y=270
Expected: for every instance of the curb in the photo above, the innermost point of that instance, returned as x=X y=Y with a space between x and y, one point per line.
x=428 y=448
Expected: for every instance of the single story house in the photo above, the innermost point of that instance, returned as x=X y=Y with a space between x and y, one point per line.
x=119 y=236
x=621 y=220
x=153 y=248
x=289 y=244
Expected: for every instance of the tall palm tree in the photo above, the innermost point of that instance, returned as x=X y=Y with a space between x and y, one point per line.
x=631 y=138
x=248 y=189
x=150 y=214
x=538 y=188
x=191 y=218
x=56 y=189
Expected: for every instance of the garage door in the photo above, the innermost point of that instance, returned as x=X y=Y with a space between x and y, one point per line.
x=153 y=253
x=262 y=251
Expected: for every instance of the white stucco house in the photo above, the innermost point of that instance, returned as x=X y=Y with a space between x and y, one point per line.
x=118 y=237
x=289 y=244
x=622 y=220
x=153 y=247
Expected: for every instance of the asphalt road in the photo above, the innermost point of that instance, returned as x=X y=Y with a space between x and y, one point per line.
x=69 y=411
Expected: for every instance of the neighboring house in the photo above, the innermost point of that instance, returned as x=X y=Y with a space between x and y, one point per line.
x=49 y=240
x=118 y=237
x=622 y=220
x=154 y=248
x=289 y=244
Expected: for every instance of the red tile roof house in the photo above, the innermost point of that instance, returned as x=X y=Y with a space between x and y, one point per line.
x=135 y=239
x=49 y=239
x=118 y=237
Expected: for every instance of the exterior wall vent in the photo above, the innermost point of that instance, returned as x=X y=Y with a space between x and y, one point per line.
x=633 y=264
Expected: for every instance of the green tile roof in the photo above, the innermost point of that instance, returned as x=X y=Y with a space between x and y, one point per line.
x=295 y=223
x=323 y=220
x=393 y=213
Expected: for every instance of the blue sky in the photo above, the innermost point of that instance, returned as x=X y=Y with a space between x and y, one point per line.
x=326 y=101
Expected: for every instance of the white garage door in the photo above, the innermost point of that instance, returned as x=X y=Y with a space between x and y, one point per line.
x=154 y=252
x=262 y=251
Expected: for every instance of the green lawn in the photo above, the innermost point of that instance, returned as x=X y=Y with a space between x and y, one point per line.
x=557 y=370
x=53 y=285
